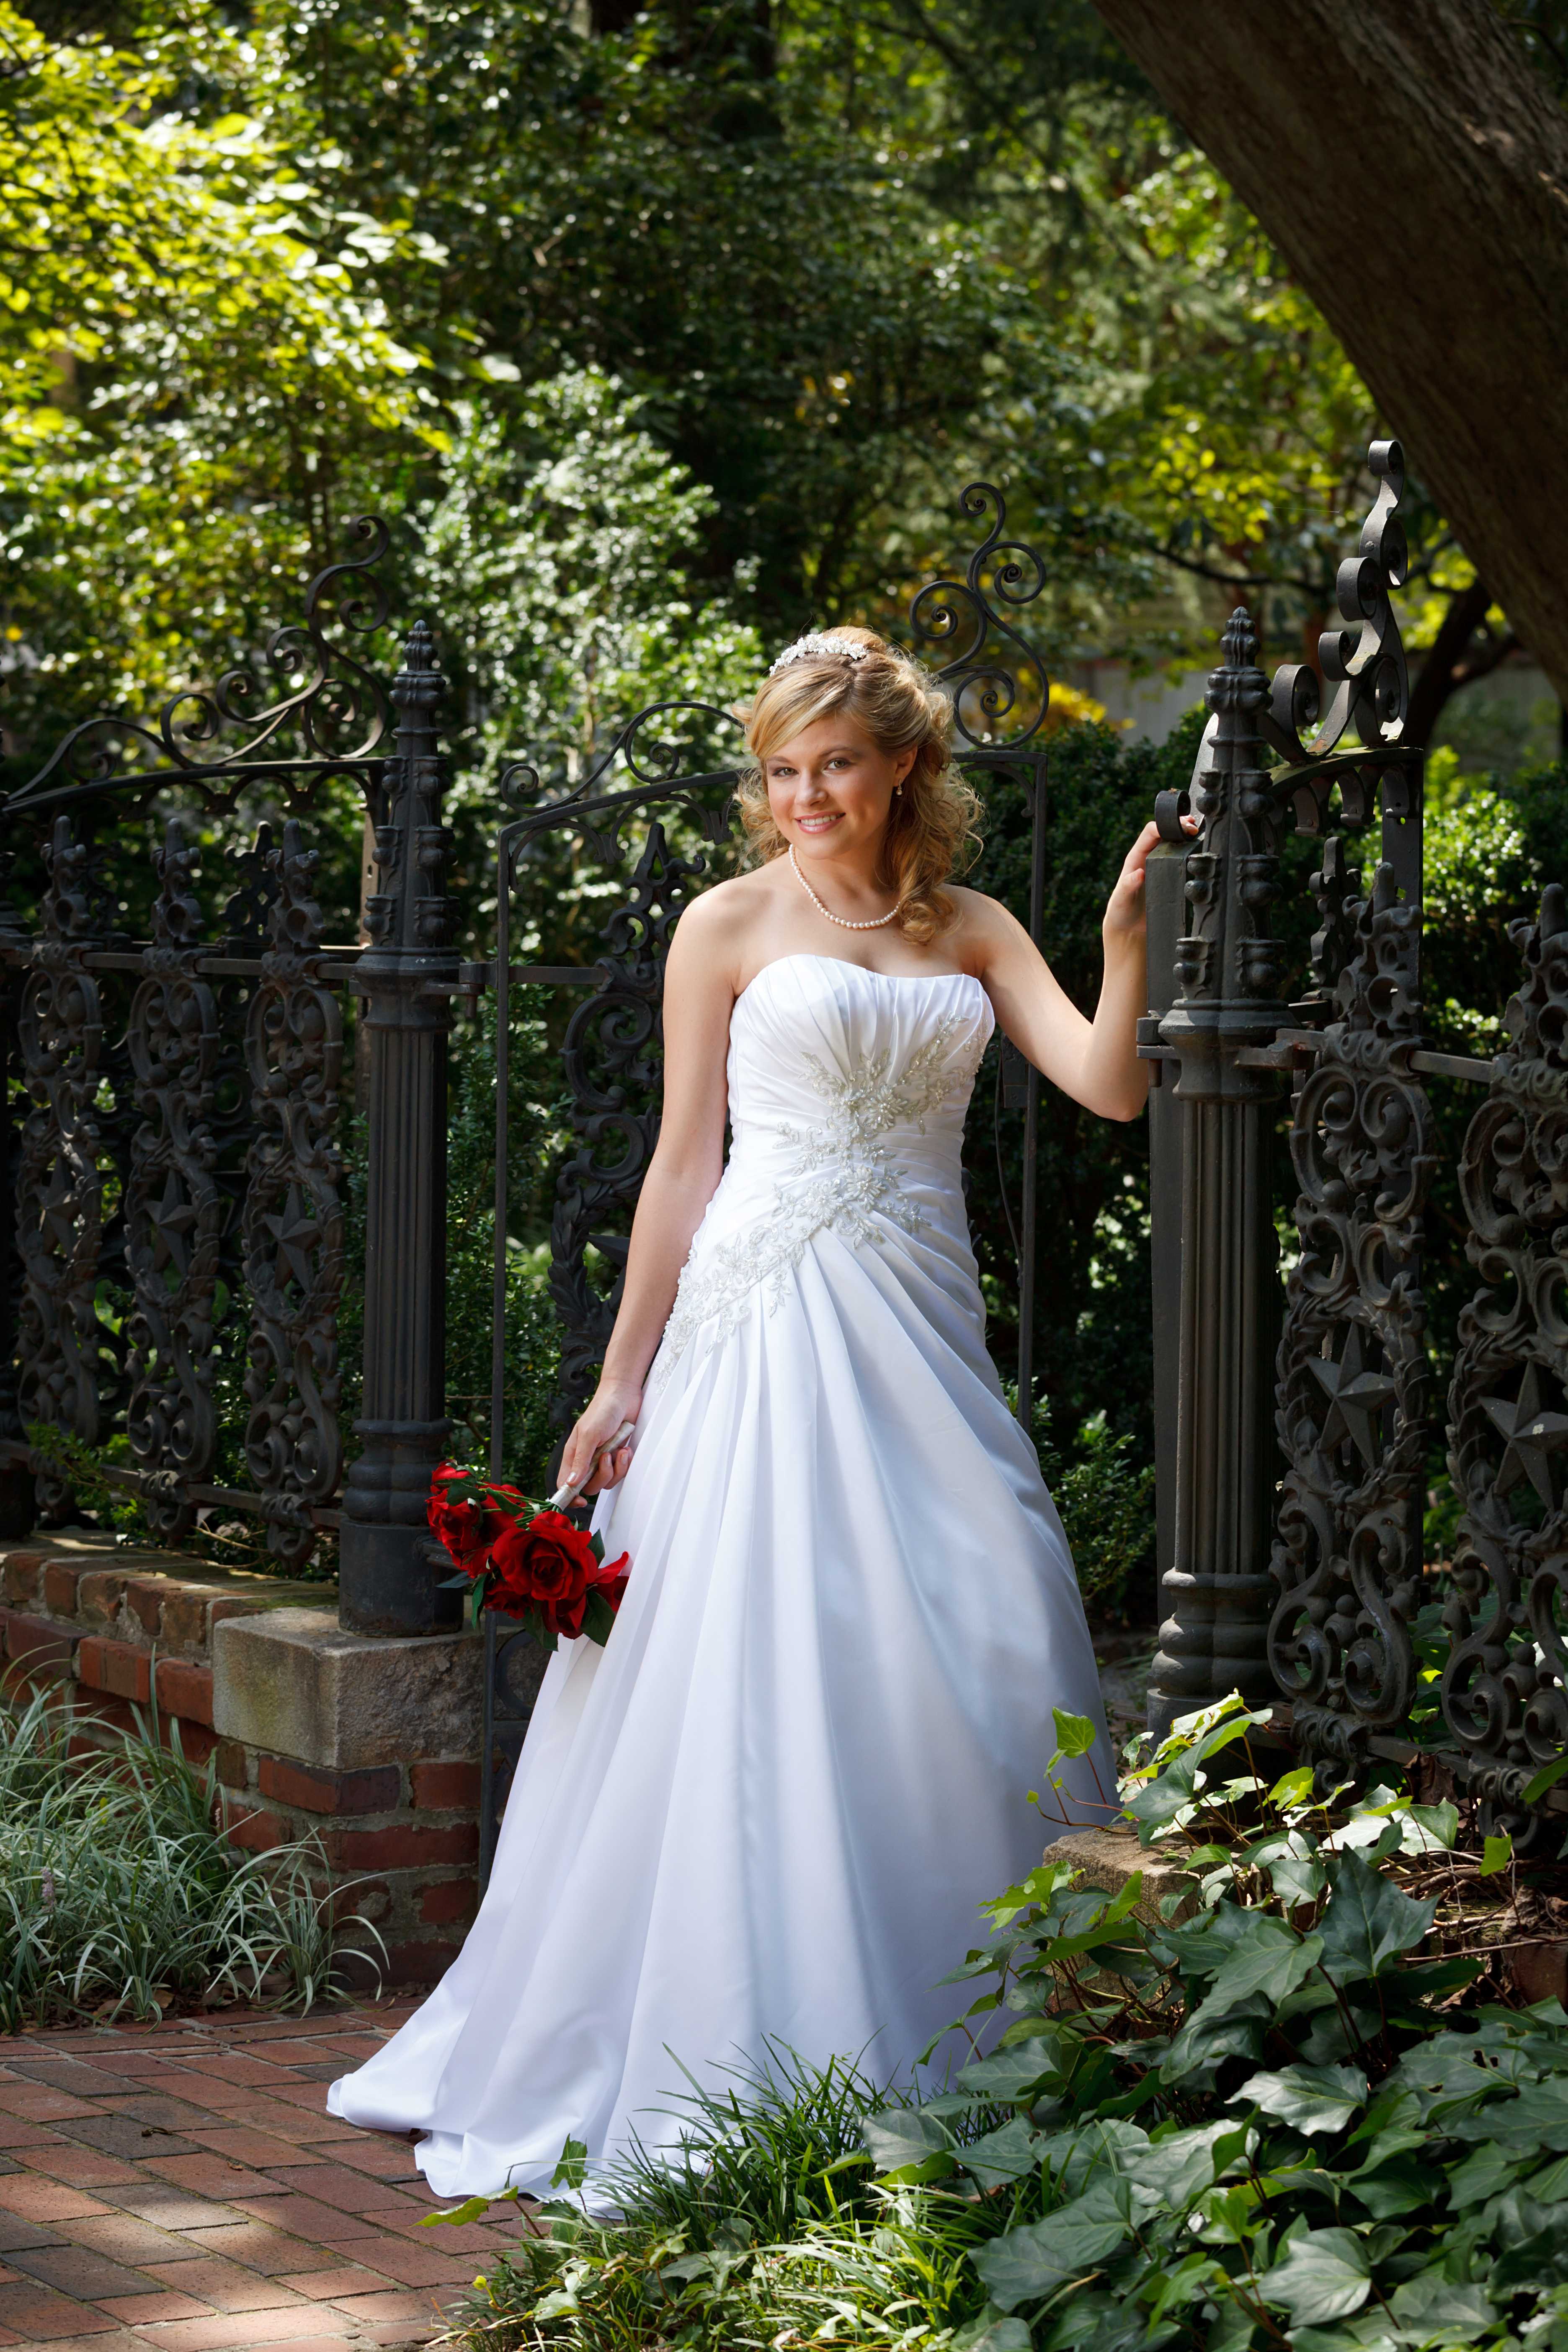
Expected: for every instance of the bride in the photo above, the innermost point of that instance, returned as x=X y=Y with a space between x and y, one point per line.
x=769 y=1806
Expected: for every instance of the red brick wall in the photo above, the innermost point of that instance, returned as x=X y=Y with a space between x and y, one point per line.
x=400 y=1839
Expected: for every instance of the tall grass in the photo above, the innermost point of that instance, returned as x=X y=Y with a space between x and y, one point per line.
x=120 y=1897
x=747 y=2238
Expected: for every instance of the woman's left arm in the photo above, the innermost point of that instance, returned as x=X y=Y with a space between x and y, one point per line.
x=1095 y=1061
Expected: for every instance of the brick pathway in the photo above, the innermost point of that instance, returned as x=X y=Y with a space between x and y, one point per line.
x=180 y=2186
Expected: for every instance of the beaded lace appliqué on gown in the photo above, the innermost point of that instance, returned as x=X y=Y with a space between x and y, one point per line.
x=843 y=1178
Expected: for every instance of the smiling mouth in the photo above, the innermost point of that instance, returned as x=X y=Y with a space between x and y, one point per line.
x=819 y=824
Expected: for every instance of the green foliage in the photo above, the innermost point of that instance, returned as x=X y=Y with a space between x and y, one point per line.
x=1105 y=1494
x=120 y=1896
x=1272 y=2107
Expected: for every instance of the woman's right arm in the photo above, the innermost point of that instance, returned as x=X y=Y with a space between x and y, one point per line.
x=681 y=1179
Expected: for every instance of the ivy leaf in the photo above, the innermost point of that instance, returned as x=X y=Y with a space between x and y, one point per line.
x=1323 y=2275
x=1016 y=2073
x=1547 y=1778
x=905 y=2138
x=1535 y=2118
x=1075 y=1733
x=1497 y=1852
x=1175 y=2169
x=1028 y=2264
x=1308 y=2098
x=1003 y=2154
x=1157 y=1805
x=1272 y=1964
x=992 y=2333
x=571 y=2166
x=1212 y=2035
x=1434 y=2304
x=1369 y=1921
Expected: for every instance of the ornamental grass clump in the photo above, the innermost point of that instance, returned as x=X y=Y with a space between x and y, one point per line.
x=1283 y=2105
x=119 y=1896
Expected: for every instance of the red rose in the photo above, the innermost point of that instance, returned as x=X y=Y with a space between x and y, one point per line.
x=611 y=1579
x=465 y=1530
x=548 y=1565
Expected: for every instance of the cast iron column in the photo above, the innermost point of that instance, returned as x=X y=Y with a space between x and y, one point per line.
x=404 y=979
x=1217 y=1586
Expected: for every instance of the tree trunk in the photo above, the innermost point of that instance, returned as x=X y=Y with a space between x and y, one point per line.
x=1413 y=173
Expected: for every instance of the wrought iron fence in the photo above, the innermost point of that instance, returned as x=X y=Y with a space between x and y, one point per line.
x=175 y=1181
x=180 y=1153
x=1296 y=1567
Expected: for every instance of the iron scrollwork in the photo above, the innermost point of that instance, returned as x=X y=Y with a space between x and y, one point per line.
x=986 y=658
x=1353 y=1376
x=62 y=1163
x=1362 y=659
x=173 y=1206
x=336 y=716
x=1504 y=1689
x=294 y=1217
x=611 y=1060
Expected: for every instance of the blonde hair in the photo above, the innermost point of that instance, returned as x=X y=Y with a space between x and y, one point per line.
x=933 y=824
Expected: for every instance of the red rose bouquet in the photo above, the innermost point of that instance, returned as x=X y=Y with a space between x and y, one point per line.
x=534 y=1565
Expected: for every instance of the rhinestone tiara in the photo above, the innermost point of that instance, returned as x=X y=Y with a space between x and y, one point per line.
x=813 y=646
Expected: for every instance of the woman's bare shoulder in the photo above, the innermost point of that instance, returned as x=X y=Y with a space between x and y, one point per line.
x=981 y=926
x=714 y=925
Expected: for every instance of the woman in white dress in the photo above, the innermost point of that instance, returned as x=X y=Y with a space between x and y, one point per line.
x=769 y=1806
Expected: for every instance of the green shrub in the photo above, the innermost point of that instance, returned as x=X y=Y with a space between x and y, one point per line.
x=119 y=1896
x=1106 y=1498
x=1276 y=2107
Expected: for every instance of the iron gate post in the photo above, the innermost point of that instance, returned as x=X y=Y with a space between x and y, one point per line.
x=1164 y=877
x=1216 y=1582
x=406 y=980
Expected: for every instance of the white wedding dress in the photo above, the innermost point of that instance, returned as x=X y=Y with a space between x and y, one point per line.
x=772 y=1805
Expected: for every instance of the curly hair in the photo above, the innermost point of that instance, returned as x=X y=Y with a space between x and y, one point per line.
x=933 y=823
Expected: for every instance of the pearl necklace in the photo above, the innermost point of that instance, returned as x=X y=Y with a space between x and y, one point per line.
x=842 y=920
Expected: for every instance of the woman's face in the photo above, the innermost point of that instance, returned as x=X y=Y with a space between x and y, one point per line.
x=830 y=788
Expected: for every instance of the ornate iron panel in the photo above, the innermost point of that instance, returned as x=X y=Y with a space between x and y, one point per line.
x=62 y=1165
x=1353 y=1393
x=173 y=1207
x=1504 y=1689
x=293 y=1219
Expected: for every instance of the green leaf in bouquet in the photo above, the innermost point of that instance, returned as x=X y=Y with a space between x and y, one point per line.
x=598 y=1619
x=1311 y=2099
x=1321 y=2274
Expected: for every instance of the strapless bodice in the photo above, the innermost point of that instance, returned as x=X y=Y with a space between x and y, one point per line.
x=847 y=1094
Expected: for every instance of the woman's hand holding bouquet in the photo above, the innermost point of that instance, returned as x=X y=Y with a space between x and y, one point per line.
x=536 y=1566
